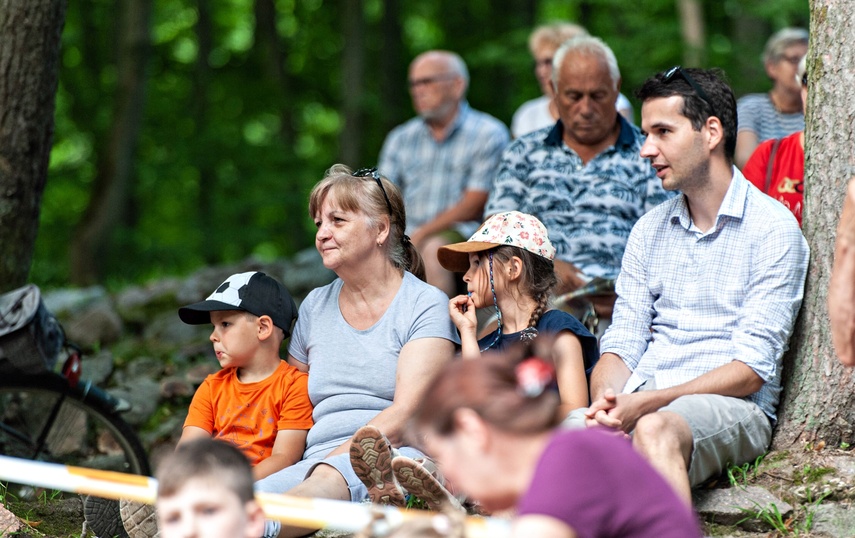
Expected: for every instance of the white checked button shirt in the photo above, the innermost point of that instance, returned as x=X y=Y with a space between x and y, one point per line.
x=689 y=302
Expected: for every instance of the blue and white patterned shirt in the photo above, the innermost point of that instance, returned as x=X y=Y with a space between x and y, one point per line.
x=689 y=302
x=433 y=175
x=588 y=209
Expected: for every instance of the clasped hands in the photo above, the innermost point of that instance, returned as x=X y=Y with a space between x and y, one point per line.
x=620 y=411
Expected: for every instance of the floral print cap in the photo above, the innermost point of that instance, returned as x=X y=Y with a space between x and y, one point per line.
x=510 y=228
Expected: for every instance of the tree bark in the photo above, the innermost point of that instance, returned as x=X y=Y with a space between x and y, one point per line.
x=274 y=57
x=819 y=394
x=692 y=28
x=113 y=179
x=30 y=33
x=352 y=86
x=393 y=69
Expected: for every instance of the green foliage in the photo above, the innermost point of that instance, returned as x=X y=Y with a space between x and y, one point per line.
x=770 y=515
x=809 y=474
x=740 y=474
x=798 y=524
x=232 y=138
x=416 y=503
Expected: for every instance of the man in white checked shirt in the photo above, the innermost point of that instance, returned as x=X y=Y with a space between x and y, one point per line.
x=710 y=285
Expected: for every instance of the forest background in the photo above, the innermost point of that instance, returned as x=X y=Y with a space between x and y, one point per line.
x=189 y=132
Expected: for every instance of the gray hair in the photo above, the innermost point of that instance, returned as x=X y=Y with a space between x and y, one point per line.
x=455 y=63
x=781 y=40
x=554 y=34
x=588 y=46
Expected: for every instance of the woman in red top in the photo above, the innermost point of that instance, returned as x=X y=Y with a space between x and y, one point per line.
x=783 y=178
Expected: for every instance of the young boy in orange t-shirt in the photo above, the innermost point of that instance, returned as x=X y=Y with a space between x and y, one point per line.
x=257 y=402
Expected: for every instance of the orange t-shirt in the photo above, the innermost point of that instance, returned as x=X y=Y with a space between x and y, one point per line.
x=249 y=415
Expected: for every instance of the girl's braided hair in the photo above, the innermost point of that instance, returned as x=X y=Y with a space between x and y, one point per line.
x=537 y=279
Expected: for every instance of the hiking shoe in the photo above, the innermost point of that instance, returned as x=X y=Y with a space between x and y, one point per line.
x=102 y=517
x=139 y=519
x=418 y=481
x=371 y=458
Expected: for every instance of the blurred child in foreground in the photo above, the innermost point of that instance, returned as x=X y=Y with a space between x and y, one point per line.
x=205 y=490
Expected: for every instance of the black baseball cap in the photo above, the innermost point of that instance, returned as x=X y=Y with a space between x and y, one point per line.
x=252 y=292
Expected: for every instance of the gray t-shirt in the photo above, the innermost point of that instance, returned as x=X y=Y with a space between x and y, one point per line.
x=352 y=372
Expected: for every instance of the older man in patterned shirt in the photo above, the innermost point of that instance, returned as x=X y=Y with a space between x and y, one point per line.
x=708 y=293
x=583 y=177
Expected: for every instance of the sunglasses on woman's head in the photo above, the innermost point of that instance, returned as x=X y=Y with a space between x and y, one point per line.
x=372 y=172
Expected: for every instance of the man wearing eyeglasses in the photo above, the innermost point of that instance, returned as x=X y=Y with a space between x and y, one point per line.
x=710 y=285
x=443 y=160
x=582 y=177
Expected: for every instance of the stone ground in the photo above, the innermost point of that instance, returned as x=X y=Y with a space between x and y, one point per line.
x=797 y=492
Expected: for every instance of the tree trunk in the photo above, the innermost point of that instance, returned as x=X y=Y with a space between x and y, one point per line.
x=352 y=86
x=274 y=57
x=819 y=394
x=29 y=62
x=393 y=69
x=692 y=28
x=112 y=185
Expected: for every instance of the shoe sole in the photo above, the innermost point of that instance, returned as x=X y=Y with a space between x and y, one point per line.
x=371 y=458
x=419 y=482
x=103 y=517
x=139 y=519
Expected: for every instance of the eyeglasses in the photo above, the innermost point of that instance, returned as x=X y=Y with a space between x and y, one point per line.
x=416 y=82
x=677 y=71
x=804 y=79
x=372 y=172
x=545 y=62
x=792 y=60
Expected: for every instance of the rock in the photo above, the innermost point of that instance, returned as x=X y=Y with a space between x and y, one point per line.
x=9 y=522
x=732 y=505
x=198 y=373
x=143 y=395
x=166 y=331
x=98 y=367
x=68 y=302
x=139 y=304
x=175 y=387
x=834 y=520
x=305 y=272
x=97 y=324
x=147 y=367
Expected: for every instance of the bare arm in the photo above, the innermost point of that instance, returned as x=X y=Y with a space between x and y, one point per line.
x=287 y=450
x=841 y=290
x=418 y=363
x=746 y=143
x=470 y=207
x=192 y=432
x=302 y=366
x=735 y=379
x=609 y=373
x=570 y=372
x=462 y=311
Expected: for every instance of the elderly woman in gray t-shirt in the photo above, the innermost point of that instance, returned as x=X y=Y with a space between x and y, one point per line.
x=371 y=340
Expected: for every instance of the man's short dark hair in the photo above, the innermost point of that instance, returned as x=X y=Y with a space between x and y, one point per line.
x=712 y=81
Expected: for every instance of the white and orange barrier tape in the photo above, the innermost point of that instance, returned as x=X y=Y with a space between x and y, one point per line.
x=299 y=511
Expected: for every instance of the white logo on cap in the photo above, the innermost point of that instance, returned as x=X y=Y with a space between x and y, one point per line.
x=230 y=290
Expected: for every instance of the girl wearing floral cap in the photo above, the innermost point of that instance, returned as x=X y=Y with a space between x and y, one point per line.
x=508 y=265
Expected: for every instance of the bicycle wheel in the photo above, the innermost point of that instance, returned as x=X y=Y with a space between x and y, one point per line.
x=42 y=418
